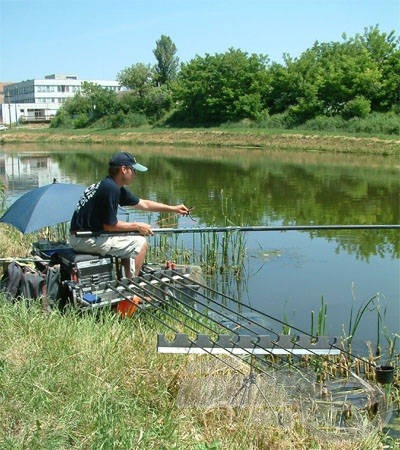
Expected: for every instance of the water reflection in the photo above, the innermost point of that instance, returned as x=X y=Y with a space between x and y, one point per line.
x=286 y=273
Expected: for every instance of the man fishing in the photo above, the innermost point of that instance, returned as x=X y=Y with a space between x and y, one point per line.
x=97 y=210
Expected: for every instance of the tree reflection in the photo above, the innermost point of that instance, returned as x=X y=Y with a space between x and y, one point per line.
x=236 y=187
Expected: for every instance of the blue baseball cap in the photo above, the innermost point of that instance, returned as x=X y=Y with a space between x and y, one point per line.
x=126 y=159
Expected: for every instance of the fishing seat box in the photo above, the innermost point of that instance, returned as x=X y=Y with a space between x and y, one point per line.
x=80 y=274
x=84 y=278
x=86 y=270
x=82 y=268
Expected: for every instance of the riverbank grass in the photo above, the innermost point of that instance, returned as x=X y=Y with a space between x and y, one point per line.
x=96 y=381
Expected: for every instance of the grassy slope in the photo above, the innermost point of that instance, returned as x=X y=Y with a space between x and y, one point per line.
x=220 y=137
x=72 y=381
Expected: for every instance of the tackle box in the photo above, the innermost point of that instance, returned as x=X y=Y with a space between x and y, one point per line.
x=86 y=269
x=81 y=268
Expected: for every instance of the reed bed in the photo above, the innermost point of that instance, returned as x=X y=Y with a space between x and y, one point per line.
x=214 y=252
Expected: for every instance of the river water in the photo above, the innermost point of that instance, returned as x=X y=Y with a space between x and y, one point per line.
x=286 y=274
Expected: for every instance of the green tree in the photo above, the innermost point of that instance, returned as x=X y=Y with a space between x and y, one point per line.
x=349 y=72
x=353 y=76
x=86 y=107
x=102 y=101
x=293 y=88
x=74 y=113
x=224 y=87
x=167 y=65
x=385 y=51
x=157 y=103
x=322 y=80
x=137 y=77
x=152 y=106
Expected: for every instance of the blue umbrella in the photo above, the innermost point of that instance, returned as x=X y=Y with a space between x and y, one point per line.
x=43 y=207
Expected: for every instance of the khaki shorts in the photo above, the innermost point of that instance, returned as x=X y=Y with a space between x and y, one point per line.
x=120 y=246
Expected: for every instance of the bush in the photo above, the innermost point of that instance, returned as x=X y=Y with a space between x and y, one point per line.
x=61 y=120
x=275 y=121
x=304 y=110
x=324 y=123
x=81 y=121
x=357 y=107
x=121 y=120
x=375 y=123
x=134 y=119
x=157 y=103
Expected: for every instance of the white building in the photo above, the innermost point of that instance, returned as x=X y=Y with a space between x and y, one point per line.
x=38 y=100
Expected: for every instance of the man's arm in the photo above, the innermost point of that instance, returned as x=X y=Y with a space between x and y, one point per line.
x=144 y=228
x=140 y=227
x=150 y=205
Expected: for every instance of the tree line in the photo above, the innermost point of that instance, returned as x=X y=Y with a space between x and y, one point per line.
x=330 y=85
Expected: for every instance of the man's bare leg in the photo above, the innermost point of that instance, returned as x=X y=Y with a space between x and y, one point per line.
x=138 y=260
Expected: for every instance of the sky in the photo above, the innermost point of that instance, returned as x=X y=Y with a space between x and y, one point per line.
x=96 y=39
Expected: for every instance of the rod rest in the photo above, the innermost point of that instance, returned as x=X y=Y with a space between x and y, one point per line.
x=244 y=344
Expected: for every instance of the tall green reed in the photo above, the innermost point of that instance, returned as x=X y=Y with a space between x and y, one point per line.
x=318 y=328
x=356 y=316
x=214 y=252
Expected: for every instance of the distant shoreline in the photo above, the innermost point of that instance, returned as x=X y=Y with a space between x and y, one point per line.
x=224 y=138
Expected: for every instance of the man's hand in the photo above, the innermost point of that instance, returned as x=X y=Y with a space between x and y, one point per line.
x=182 y=209
x=143 y=228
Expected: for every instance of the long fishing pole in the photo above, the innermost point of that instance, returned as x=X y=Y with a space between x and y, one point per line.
x=272 y=228
x=249 y=228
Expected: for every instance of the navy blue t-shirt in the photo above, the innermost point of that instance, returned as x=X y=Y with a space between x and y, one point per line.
x=99 y=205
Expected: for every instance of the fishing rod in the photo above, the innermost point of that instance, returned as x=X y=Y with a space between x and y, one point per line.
x=253 y=342
x=139 y=290
x=271 y=228
x=10 y=259
x=209 y=345
x=243 y=347
x=246 y=228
